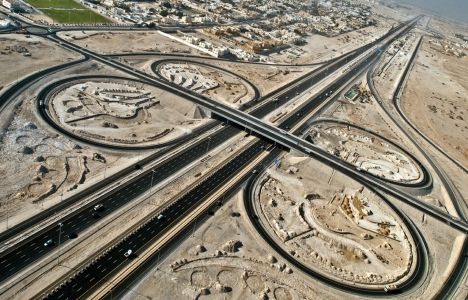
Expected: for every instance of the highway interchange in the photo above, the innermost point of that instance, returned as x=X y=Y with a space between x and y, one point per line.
x=83 y=282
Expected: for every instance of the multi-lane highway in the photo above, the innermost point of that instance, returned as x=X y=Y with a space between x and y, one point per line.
x=457 y=199
x=454 y=195
x=85 y=280
x=69 y=289
x=414 y=281
x=123 y=194
x=423 y=186
x=283 y=94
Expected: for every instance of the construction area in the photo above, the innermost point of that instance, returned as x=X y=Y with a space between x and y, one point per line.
x=118 y=183
x=41 y=168
x=225 y=259
x=125 y=41
x=366 y=151
x=364 y=241
x=123 y=112
x=205 y=80
x=36 y=52
x=346 y=232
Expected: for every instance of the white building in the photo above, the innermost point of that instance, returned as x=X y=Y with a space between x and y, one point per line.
x=7 y=3
x=4 y=24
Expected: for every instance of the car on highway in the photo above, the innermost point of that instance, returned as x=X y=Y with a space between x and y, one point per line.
x=391 y=289
x=98 y=207
x=49 y=243
x=129 y=253
x=72 y=235
x=160 y=216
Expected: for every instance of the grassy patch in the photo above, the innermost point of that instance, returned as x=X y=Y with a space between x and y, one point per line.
x=67 y=11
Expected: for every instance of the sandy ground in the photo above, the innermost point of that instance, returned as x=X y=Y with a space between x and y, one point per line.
x=225 y=258
x=395 y=12
x=123 y=112
x=100 y=235
x=392 y=64
x=266 y=78
x=368 y=152
x=436 y=100
x=125 y=41
x=365 y=112
x=42 y=54
x=214 y=83
x=424 y=92
x=40 y=167
x=331 y=222
x=204 y=264
x=321 y=48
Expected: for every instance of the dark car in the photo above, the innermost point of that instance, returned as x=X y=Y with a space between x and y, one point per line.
x=72 y=235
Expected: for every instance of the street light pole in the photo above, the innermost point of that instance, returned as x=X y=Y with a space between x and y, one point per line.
x=151 y=187
x=6 y=204
x=208 y=145
x=60 y=235
x=152 y=175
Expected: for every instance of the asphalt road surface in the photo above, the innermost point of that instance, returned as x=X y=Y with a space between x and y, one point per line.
x=84 y=281
x=13 y=260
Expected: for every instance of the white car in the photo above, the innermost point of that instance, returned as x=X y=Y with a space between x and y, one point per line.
x=128 y=253
x=49 y=243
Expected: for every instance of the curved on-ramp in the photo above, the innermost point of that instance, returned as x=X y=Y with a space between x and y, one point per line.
x=412 y=283
x=48 y=91
x=425 y=185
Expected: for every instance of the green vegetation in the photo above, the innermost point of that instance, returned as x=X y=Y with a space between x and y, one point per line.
x=67 y=11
